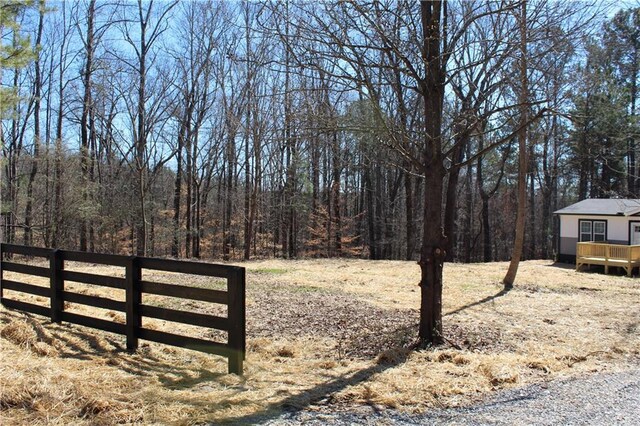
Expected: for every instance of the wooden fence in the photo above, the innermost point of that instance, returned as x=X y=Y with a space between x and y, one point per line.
x=134 y=287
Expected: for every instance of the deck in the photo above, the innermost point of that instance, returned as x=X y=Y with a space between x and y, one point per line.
x=591 y=253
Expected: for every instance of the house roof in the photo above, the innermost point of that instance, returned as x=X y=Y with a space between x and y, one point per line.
x=603 y=206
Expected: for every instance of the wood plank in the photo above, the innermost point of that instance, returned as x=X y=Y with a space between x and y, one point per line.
x=185 y=292
x=192 y=343
x=191 y=318
x=95 y=301
x=56 y=282
x=27 y=307
x=25 y=269
x=102 y=280
x=134 y=299
x=100 y=324
x=186 y=267
x=26 y=250
x=99 y=258
x=236 y=312
x=26 y=288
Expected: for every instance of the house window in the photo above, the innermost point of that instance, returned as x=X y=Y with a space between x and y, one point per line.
x=593 y=230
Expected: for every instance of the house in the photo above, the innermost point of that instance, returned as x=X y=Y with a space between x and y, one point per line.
x=614 y=221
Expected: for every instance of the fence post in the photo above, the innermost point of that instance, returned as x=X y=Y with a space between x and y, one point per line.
x=56 y=266
x=236 y=313
x=133 y=300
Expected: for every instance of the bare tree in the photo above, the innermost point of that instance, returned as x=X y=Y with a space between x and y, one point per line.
x=37 y=94
x=522 y=152
x=150 y=24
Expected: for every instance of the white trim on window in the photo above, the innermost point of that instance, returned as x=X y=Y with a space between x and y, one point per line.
x=586 y=228
x=592 y=230
x=599 y=230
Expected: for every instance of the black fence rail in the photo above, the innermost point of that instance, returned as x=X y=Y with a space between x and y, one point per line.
x=134 y=287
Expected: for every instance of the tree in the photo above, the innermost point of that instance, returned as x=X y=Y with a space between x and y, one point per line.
x=87 y=120
x=523 y=97
x=16 y=54
x=142 y=35
x=622 y=40
x=37 y=94
x=600 y=129
x=63 y=35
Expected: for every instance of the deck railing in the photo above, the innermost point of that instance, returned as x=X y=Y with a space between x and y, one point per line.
x=608 y=251
x=618 y=255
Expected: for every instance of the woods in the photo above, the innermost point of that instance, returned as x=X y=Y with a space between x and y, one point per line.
x=380 y=130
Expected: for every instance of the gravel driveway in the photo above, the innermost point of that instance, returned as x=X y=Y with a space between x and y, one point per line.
x=599 y=399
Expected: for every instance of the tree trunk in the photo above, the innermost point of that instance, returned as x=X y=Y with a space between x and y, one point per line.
x=46 y=206
x=177 y=189
x=58 y=220
x=484 y=197
x=410 y=226
x=37 y=93
x=248 y=186
x=368 y=193
x=247 y=193
x=518 y=244
x=433 y=241
x=634 y=170
x=228 y=199
x=467 y=238
x=451 y=207
x=335 y=195
x=84 y=123
x=532 y=206
x=197 y=220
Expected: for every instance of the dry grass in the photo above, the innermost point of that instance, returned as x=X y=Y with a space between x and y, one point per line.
x=322 y=332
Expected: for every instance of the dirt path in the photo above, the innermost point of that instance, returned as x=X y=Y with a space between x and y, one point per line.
x=598 y=399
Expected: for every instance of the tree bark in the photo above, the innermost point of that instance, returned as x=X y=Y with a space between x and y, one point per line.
x=433 y=240
x=56 y=235
x=140 y=219
x=37 y=93
x=518 y=244
x=84 y=122
x=177 y=189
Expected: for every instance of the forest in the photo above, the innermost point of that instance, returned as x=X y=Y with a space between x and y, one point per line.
x=240 y=130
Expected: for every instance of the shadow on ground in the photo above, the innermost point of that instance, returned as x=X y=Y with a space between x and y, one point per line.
x=562 y=265
x=77 y=342
x=316 y=394
x=487 y=299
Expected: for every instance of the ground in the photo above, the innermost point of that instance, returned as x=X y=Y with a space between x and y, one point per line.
x=324 y=333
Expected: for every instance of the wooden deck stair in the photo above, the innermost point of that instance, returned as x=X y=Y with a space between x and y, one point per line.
x=592 y=253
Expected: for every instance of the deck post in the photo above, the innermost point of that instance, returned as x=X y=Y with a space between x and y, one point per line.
x=578 y=254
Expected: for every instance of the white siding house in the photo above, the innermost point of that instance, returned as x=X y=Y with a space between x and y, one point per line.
x=616 y=221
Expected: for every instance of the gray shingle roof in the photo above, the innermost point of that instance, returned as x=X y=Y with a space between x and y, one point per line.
x=603 y=206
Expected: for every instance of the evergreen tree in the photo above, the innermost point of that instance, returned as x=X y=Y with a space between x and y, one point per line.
x=622 y=40
x=15 y=49
x=598 y=139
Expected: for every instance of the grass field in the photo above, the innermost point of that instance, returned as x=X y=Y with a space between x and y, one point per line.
x=324 y=332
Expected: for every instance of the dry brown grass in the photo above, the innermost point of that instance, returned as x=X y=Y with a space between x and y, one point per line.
x=322 y=332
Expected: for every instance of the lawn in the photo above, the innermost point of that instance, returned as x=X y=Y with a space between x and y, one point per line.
x=323 y=332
